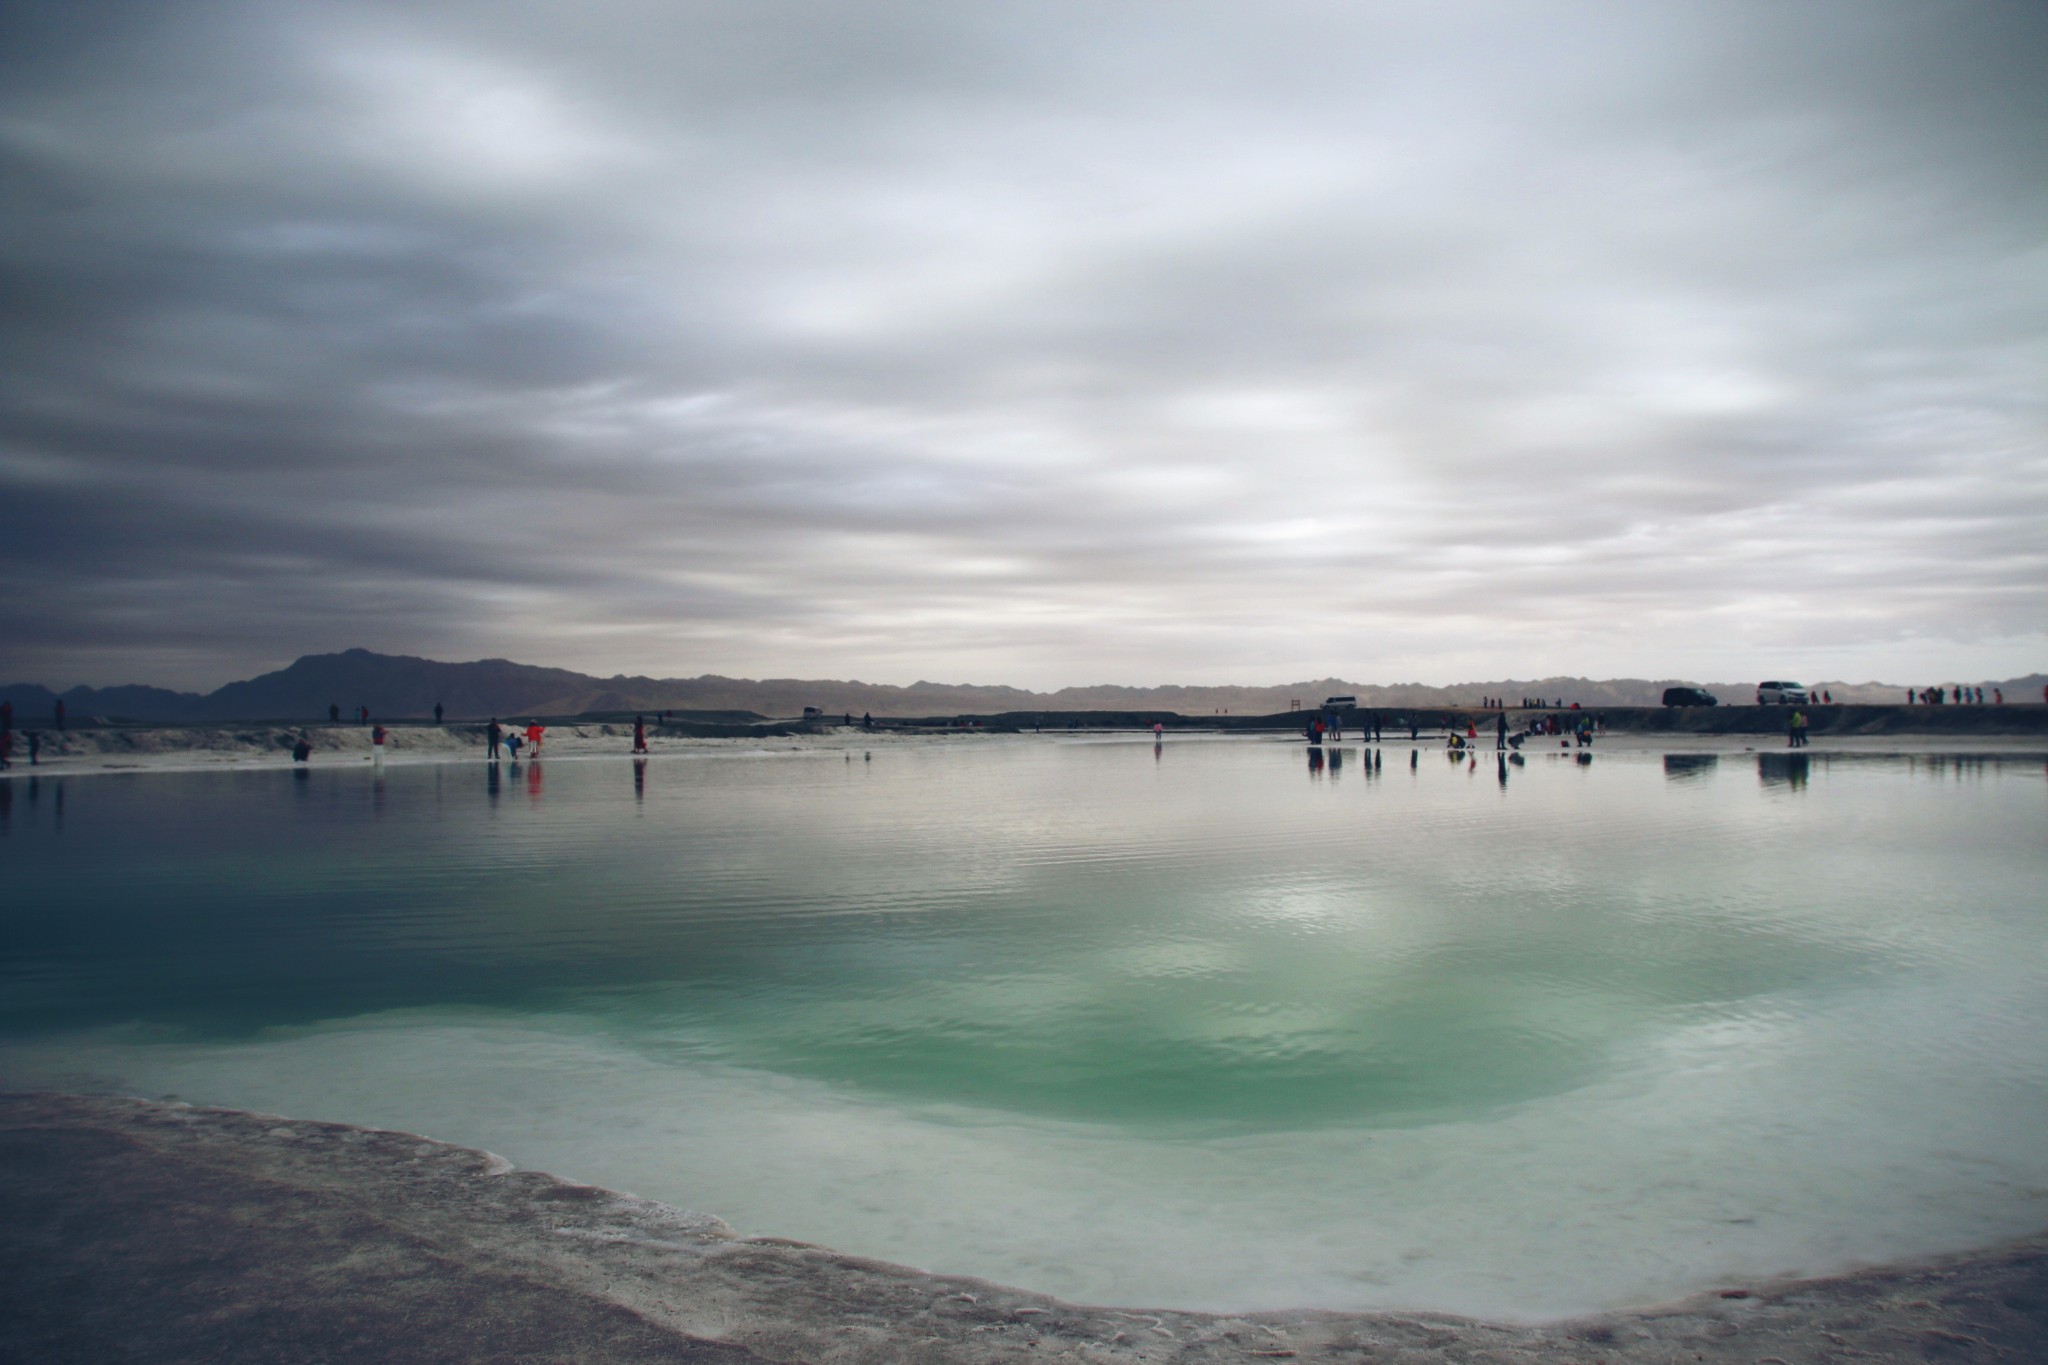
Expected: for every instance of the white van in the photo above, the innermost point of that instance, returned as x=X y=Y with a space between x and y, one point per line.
x=1782 y=694
x=1340 y=703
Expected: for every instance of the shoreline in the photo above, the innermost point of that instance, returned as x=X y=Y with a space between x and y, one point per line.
x=348 y=748
x=157 y=1231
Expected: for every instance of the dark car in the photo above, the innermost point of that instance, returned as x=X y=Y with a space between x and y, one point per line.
x=1690 y=696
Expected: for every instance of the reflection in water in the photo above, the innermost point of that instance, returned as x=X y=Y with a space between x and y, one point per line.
x=491 y=783
x=1158 y=748
x=1501 y=766
x=640 y=779
x=1690 y=767
x=1336 y=763
x=533 y=782
x=1782 y=770
x=1952 y=767
x=1315 y=761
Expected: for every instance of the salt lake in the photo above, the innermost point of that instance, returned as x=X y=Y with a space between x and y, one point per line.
x=1215 y=1024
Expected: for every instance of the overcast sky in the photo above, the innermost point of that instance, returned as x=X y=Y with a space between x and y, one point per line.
x=1033 y=343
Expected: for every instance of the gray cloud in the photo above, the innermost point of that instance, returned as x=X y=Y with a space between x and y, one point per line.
x=1040 y=343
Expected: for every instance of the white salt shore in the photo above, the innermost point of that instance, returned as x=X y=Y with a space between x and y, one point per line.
x=185 y=748
x=152 y=1232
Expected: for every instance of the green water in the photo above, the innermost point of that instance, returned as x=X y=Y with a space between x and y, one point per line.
x=1047 y=1010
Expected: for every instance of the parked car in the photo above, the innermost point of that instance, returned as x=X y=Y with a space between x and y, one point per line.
x=1781 y=694
x=1690 y=696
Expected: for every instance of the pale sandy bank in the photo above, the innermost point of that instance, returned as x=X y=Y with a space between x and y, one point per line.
x=167 y=748
x=142 y=1231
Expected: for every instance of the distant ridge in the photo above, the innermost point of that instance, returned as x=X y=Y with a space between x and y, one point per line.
x=403 y=687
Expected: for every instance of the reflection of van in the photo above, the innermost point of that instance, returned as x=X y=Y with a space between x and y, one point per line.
x=1340 y=703
x=1690 y=696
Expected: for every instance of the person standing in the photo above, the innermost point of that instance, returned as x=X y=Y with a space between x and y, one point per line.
x=437 y=713
x=639 y=734
x=35 y=746
x=377 y=745
x=334 y=713
x=494 y=735
x=1500 y=731
x=534 y=731
x=60 y=715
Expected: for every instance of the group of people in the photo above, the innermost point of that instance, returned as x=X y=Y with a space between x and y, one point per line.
x=515 y=739
x=1962 y=696
x=1795 y=731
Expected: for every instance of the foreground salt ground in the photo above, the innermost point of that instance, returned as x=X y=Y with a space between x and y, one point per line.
x=146 y=1231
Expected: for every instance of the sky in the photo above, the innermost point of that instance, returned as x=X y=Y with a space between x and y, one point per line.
x=1027 y=343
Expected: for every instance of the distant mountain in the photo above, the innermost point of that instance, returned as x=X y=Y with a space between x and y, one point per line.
x=402 y=687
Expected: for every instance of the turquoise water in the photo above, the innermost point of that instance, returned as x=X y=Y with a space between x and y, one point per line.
x=1198 y=1025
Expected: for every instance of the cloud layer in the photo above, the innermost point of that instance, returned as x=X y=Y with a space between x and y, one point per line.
x=1041 y=343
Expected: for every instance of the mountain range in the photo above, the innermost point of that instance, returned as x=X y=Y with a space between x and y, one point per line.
x=401 y=687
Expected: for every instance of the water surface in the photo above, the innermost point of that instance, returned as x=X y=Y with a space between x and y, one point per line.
x=1210 y=1025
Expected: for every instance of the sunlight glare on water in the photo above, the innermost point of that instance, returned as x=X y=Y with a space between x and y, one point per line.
x=1198 y=1026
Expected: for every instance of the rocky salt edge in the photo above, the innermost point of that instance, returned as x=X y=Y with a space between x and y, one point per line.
x=180 y=1232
